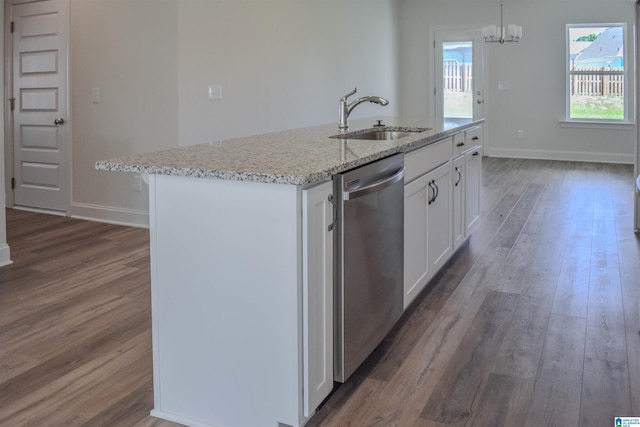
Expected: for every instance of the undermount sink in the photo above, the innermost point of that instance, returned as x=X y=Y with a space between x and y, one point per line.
x=382 y=134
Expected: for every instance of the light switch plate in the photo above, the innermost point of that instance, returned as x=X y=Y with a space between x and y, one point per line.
x=215 y=92
x=95 y=95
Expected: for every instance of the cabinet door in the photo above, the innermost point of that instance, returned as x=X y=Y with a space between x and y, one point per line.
x=317 y=295
x=459 y=177
x=440 y=216
x=416 y=256
x=473 y=187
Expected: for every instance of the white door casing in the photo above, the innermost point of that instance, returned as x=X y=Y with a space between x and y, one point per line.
x=41 y=152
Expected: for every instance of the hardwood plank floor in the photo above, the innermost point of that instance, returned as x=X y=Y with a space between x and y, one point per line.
x=534 y=322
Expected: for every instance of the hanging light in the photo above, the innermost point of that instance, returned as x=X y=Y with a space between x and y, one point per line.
x=500 y=34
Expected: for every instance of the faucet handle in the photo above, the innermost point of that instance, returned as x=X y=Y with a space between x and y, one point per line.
x=353 y=92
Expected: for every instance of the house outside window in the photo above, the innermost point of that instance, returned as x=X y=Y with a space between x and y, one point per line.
x=596 y=73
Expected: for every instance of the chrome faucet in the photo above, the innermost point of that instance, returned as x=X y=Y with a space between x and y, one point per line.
x=346 y=109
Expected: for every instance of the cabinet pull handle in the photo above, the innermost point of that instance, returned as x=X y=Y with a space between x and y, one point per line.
x=475 y=138
x=460 y=144
x=432 y=199
x=459 y=176
x=335 y=213
x=476 y=154
x=437 y=190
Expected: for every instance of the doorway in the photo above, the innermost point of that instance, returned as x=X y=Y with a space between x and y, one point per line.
x=459 y=75
x=38 y=151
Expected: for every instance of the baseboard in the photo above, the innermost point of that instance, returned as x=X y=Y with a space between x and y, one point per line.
x=5 y=256
x=178 y=419
x=559 y=155
x=119 y=216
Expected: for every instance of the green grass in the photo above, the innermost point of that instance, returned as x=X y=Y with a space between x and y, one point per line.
x=458 y=104
x=597 y=107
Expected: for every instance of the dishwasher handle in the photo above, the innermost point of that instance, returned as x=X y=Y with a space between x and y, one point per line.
x=375 y=186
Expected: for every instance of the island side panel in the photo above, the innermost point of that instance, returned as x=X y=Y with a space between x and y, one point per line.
x=225 y=295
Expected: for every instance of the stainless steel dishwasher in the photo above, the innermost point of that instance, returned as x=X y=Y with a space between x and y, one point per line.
x=369 y=259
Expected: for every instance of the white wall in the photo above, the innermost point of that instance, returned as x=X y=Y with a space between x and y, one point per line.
x=128 y=50
x=285 y=63
x=282 y=64
x=534 y=68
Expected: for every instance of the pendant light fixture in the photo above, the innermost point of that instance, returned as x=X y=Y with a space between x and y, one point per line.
x=500 y=34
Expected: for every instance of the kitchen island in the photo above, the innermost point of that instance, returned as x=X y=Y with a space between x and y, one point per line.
x=242 y=269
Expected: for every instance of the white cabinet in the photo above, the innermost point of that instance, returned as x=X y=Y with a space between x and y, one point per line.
x=459 y=143
x=317 y=295
x=473 y=177
x=425 y=159
x=417 y=271
x=459 y=226
x=440 y=215
x=472 y=137
x=427 y=215
x=473 y=188
x=467 y=183
x=241 y=288
x=441 y=205
x=466 y=194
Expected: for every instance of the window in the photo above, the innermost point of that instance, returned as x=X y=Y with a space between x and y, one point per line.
x=596 y=73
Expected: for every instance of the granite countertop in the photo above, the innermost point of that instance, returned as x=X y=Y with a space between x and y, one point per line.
x=297 y=156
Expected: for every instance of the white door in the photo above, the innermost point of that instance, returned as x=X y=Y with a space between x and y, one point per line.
x=459 y=77
x=39 y=90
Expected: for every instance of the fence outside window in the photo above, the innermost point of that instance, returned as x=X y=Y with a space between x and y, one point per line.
x=605 y=81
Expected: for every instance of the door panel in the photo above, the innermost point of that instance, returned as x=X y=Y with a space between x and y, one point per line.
x=40 y=147
x=43 y=62
x=40 y=175
x=459 y=76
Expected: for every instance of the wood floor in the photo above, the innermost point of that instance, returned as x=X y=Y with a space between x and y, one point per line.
x=534 y=323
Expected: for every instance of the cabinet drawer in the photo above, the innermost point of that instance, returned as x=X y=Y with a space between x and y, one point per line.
x=424 y=159
x=473 y=136
x=459 y=143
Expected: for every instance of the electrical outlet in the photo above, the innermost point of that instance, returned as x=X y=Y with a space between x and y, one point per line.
x=520 y=134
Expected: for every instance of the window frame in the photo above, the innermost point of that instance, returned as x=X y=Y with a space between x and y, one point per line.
x=628 y=83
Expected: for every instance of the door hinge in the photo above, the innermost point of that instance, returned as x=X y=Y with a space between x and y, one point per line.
x=12 y=102
x=12 y=27
x=13 y=183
